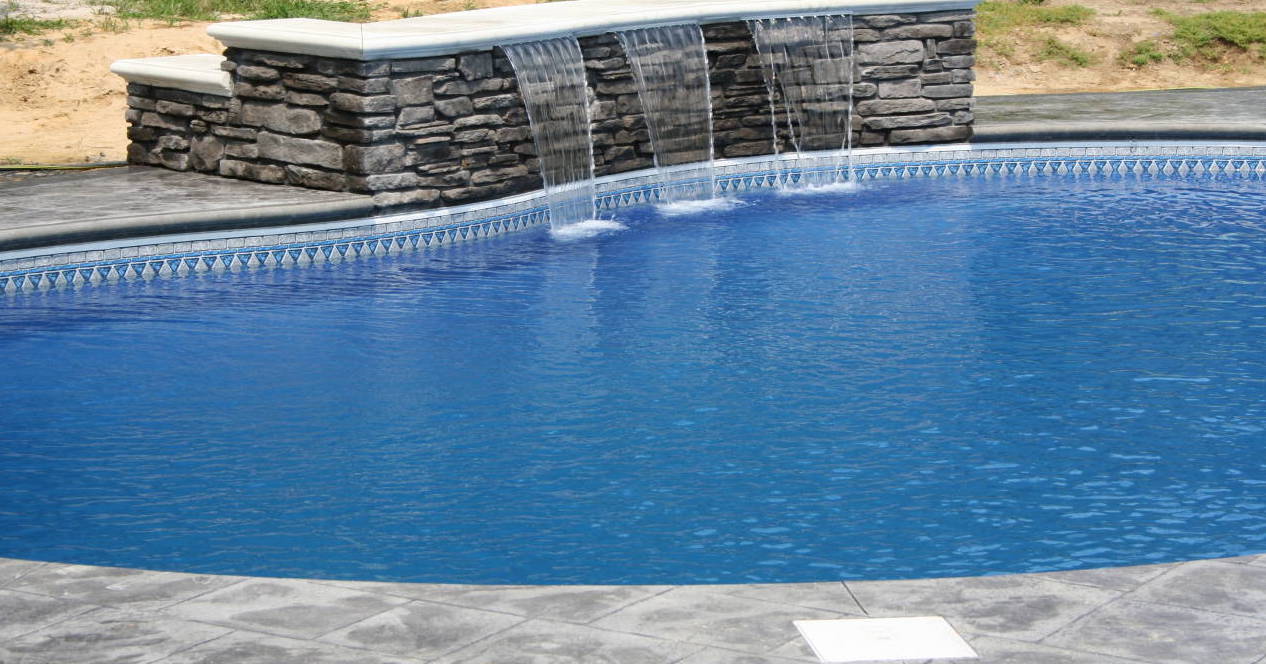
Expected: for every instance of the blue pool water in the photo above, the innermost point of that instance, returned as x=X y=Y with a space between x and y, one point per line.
x=923 y=378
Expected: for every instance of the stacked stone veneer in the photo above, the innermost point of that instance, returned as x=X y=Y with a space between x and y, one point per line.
x=450 y=130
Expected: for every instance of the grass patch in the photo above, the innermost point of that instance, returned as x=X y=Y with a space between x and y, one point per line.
x=1065 y=54
x=995 y=17
x=13 y=22
x=1142 y=54
x=998 y=21
x=1211 y=34
x=211 y=10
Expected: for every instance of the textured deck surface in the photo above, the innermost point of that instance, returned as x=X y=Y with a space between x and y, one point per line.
x=1189 y=613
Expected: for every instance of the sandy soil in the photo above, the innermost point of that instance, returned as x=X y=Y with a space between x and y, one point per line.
x=60 y=104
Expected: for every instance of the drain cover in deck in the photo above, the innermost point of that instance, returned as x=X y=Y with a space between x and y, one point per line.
x=883 y=639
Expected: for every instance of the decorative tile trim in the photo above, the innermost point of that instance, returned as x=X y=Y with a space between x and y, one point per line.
x=143 y=258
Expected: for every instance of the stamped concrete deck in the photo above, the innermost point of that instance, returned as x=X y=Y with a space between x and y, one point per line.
x=1223 y=114
x=135 y=201
x=1205 y=612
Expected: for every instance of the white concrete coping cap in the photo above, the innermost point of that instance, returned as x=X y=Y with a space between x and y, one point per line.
x=193 y=73
x=481 y=29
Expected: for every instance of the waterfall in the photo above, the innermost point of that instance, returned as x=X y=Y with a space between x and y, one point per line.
x=551 y=76
x=670 y=67
x=808 y=61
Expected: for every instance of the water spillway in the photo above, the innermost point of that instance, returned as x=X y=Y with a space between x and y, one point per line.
x=551 y=77
x=670 y=67
x=807 y=62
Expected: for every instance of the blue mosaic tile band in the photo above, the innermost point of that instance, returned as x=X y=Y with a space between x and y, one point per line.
x=438 y=228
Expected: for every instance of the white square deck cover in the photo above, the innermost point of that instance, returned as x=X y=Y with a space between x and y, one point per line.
x=883 y=639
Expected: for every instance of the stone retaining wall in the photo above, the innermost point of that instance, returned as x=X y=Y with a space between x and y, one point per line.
x=450 y=130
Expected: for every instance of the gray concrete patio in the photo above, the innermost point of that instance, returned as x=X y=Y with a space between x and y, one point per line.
x=1204 y=612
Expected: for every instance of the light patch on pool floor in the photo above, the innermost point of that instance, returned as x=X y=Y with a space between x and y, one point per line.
x=883 y=639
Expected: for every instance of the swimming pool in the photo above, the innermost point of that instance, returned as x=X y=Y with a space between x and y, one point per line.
x=1025 y=374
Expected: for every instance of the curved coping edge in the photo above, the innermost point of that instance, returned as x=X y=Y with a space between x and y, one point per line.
x=314 y=240
x=198 y=72
x=157 y=225
x=448 y=34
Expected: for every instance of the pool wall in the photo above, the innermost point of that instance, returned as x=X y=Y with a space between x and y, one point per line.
x=191 y=254
x=427 y=113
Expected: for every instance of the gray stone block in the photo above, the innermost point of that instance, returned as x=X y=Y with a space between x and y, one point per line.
x=142 y=103
x=894 y=106
x=241 y=150
x=281 y=118
x=513 y=134
x=413 y=90
x=416 y=115
x=454 y=108
x=959 y=61
x=948 y=16
x=497 y=102
x=353 y=135
x=488 y=120
x=956 y=47
x=351 y=103
x=900 y=88
x=865 y=36
x=307 y=99
x=365 y=86
x=176 y=161
x=160 y=121
x=142 y=134
x=932 y=135
x=889 y=72
x=497 y=175
x=309 y=82
x=863 y=90
x=908 y=121
x=432 y=65
x=416 y=197
x=890 y=52
x=273 y=91
x=283 y=60
x=919 y=31
x=938 y=78
x=964 y=104
x=174 y=108
x=947 y=91
x=373 y=160
x=384 y=182
x=315 y=179
x=258 y=74
x=475 y=66
x=239 y=133
x=359 y=121
x=206 y=152
x=304 y=151
x=882 y=21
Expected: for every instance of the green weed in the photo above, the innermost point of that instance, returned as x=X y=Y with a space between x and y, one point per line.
x=1142 y=54
x=1209 y=35
x=1066 y=54
x=15 y=22
x=995 y=17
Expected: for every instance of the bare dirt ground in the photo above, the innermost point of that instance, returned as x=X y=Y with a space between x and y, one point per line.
x=60 y=104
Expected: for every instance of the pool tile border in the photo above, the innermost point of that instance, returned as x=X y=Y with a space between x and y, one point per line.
x=183 y=255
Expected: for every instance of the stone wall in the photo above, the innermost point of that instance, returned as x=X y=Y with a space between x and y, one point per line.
x=449 y=130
